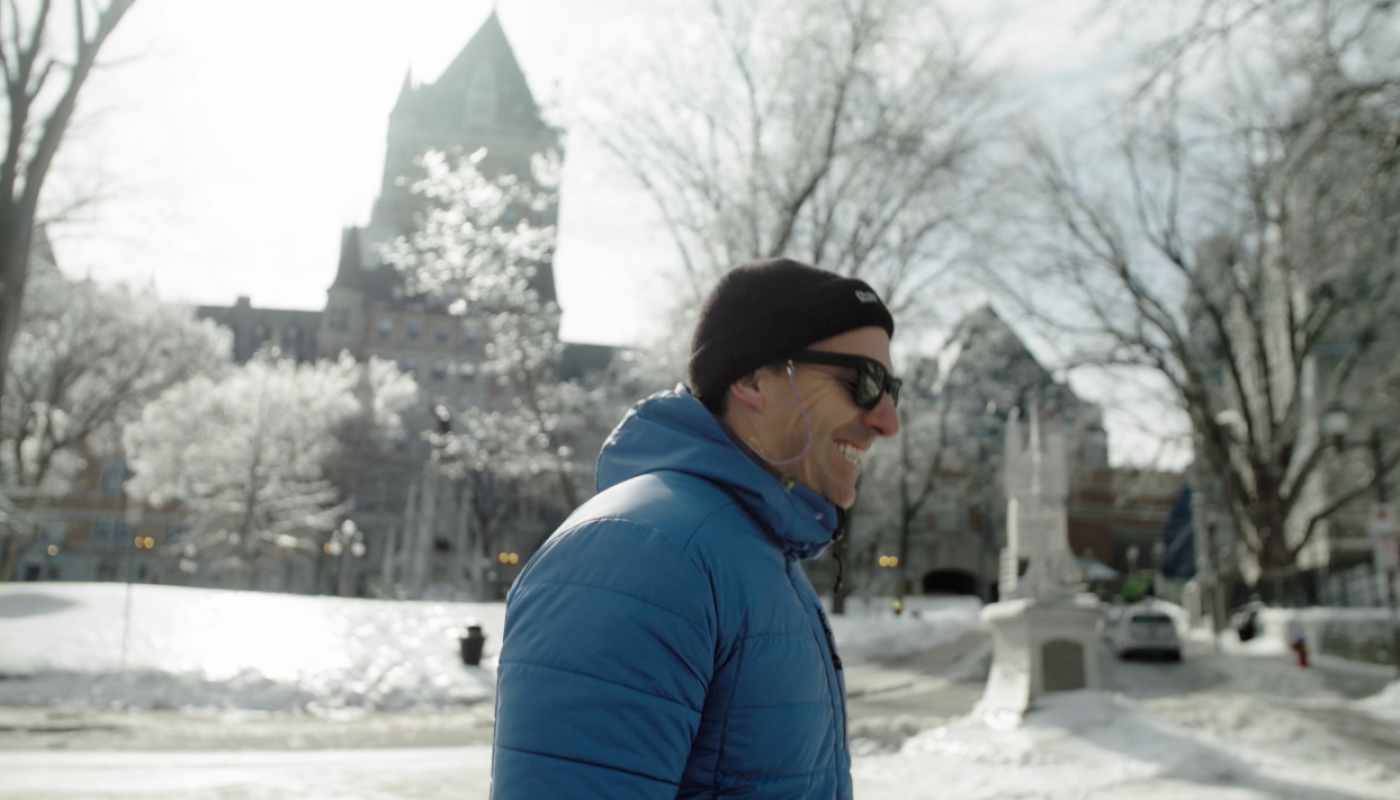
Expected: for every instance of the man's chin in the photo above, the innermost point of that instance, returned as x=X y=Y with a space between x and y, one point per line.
x=844 y=501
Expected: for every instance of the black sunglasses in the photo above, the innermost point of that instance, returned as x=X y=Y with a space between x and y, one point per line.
x=872 y=379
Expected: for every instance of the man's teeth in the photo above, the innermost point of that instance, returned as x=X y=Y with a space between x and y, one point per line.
x=851 y=453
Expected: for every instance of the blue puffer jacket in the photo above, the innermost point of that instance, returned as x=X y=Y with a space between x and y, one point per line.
x=663 y=644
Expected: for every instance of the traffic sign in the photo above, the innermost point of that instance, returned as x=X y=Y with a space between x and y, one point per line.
x=1382 y=521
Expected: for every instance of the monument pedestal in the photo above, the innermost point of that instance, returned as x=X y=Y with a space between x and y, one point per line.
x=1041 y=647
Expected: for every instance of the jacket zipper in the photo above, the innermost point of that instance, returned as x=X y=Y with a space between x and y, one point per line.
x=830 y=639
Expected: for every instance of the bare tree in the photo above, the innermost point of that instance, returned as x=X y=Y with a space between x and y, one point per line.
x=86 y=360
x=846 y=133
x=40 y=110
x=1251 y=261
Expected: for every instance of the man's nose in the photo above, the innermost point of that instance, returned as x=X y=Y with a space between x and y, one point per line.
x=883 y=418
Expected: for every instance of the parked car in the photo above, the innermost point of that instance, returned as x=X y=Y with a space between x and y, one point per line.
x=1145 y=631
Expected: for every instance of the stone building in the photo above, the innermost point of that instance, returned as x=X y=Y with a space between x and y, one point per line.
x=980 y=376
x=291 y=331
x=410 y=514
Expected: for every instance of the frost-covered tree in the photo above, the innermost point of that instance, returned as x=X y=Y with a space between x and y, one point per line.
x=85 y=360
x=852 y=134
x=481 y=247
x=245 y=455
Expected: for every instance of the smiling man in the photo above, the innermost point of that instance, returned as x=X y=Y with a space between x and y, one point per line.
x=665 y=643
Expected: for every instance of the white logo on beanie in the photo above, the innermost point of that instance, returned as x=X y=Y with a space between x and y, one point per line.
x=866 y=297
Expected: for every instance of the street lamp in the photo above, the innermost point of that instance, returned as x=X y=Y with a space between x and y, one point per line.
x=346 y=541
x=1335 y=423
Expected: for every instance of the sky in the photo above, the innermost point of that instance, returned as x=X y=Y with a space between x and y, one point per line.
x=227 y=144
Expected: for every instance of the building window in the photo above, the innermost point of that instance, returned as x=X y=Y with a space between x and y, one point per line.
x=467 y=371
x=261 y=333
x=110 y=532
x=439 y=370
x=113 y=476
x=290 y=337
x=413 y=329
x=407 y=365
x=469 y=333
x=55 y=531
x=443 y=331
x=174 y=529
x=386 y=327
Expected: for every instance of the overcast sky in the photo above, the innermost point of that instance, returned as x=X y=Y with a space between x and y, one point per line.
x=232 y=141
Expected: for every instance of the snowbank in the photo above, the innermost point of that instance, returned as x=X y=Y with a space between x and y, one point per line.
x=1097 y=745
x=870 y=631
x=141 y=646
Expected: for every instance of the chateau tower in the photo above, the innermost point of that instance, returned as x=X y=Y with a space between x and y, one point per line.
x=480 y=101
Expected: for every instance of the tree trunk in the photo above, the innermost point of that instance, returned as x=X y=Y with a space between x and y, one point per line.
x=7 y=557
x=841 y=551
x=16 y=234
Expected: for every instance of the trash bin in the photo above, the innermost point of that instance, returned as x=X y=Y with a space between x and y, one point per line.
x=472 y=643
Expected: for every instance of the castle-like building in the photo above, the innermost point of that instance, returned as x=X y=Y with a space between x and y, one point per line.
x=412 y=522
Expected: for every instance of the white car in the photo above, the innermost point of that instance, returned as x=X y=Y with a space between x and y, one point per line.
x=1145 y=631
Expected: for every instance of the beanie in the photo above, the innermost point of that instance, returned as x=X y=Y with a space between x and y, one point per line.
x=764 y=311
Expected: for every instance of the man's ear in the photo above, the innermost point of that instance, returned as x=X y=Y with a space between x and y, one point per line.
x=747 y=390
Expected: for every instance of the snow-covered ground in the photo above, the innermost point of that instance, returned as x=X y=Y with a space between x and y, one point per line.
x=1240 y=724
x=108 y=645
x=141 y=646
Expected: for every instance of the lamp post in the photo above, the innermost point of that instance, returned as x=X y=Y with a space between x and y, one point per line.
x=1335 y=422
x=346 y=541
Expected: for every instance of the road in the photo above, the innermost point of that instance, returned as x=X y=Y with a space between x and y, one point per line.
x=47 y=754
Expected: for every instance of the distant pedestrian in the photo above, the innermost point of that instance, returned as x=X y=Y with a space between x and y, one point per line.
x=1300 y=650
x=1248 y=626
x=665 y=642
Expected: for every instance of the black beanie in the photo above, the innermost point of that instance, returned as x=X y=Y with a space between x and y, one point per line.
x=764 y=311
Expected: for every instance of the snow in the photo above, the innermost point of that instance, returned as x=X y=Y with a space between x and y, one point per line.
x=111 y=645
x=1235 y=740
x=1243 y=723
x=869 y=630
x=142 y=646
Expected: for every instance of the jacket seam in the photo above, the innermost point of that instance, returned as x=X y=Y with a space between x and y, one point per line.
x=593 y=764
x=724 y=723
x=565 y=670
x=677 y=615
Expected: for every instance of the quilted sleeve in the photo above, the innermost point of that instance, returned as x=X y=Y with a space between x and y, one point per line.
x=607 y=655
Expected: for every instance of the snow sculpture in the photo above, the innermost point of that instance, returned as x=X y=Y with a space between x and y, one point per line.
x=1044 y=629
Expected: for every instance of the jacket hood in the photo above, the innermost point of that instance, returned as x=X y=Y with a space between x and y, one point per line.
x=674 y=431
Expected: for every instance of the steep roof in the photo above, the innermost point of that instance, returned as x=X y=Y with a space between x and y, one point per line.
x=985 y=361
x=487 y=56
x=361 y=269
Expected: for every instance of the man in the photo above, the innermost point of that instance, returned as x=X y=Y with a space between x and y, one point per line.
x=665 y=643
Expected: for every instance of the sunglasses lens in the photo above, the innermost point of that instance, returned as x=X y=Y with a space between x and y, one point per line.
x=867 y=390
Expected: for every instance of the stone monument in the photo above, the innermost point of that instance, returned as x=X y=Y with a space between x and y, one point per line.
x=1044 y=628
